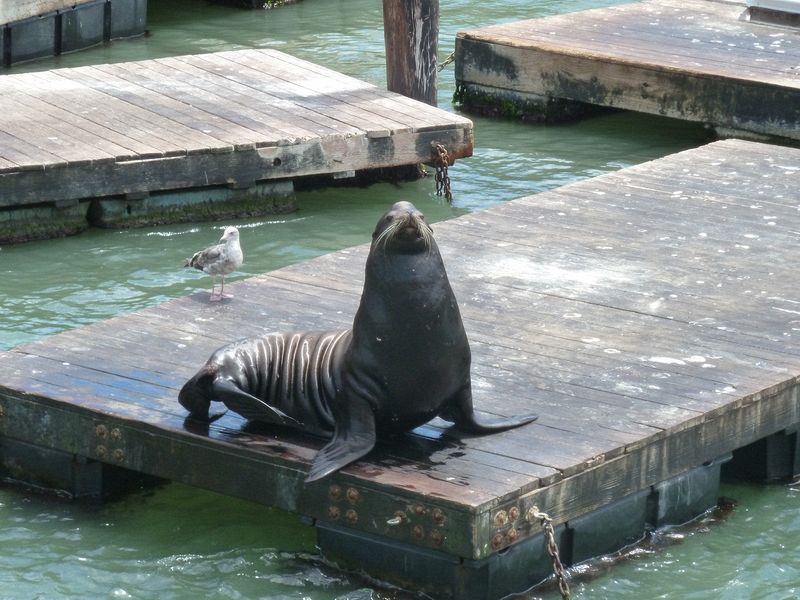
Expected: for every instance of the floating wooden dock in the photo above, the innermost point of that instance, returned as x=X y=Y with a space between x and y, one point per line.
x=651 y=317
x=698 y=60
x=124 y=142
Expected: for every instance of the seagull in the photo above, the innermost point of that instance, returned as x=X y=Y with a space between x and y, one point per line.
x=220 y=259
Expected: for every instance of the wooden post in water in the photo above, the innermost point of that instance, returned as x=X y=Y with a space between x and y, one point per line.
x=411 y=32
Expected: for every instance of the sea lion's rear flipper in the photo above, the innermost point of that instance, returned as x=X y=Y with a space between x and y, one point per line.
x=461 y=413
x=248 y=405
x=353 y=437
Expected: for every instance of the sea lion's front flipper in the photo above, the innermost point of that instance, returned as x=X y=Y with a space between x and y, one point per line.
x=353 y=437
x=248 y=405
x=461 y=413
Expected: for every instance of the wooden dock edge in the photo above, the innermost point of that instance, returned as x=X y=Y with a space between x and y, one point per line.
x=51 y=202
x=539 y=83
x=596 y=511
x=143 y=209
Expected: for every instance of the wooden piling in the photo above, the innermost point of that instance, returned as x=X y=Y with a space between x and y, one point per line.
x=411 y=32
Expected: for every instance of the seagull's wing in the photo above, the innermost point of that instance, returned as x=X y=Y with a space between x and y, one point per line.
x=205 y=257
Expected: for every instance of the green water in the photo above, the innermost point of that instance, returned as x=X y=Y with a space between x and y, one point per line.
x=179 y=542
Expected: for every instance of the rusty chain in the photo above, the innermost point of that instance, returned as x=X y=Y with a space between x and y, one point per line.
x=441 y=162
x=447 y=61
x=552 y=549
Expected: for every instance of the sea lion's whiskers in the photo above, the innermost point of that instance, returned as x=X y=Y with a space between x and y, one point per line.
x=387 y=234
x=426 y=232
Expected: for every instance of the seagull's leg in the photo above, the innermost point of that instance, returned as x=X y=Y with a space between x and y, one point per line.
x=222 y=289
x=214 y=297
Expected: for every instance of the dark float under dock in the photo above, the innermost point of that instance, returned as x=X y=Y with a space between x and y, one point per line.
x=650 y=316
x=31 y=29
x=190 y=137
x=697 y=60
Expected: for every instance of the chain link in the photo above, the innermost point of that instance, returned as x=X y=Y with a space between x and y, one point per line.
x=441 y=161
x=552 y=549
x=447 y=61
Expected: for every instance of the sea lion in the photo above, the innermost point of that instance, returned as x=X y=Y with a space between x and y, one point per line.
x=405 y=361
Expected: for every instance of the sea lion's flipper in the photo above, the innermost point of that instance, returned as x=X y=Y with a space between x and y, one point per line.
x=353 y=437
x=248 y=405
x=461 y=413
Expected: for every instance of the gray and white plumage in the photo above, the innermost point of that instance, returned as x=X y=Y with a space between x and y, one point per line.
x=220 y=259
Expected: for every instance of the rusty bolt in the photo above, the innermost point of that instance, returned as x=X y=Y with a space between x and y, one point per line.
x=335 y=492
x=501 y=518
x=513 y=514
x=436 y=537
x=497 y=541
x=116 y=434
x=438 y=516
x=353 y=496
x=512 y=535
x=101 y=451
x=419 y=510
x=351 y=516
x=419 y=533
x=101 y=431
x=334 y=513
x=118 y=455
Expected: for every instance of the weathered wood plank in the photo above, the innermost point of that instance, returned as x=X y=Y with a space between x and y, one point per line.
x=270 y=111
x=252 y=71
x=109 y=112
x=231 y=118
x=667 y=33
x=695 y=60
x=83 y=130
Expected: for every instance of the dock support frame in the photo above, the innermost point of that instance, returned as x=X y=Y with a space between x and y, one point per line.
x=519 y=567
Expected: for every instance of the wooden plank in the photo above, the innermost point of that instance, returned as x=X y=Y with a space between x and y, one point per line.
x=664 y=33
x=250 y=70
x=85 y=131
x=49 y=136
x=27 y=156
x=269 y=110
x=421 y=117
x=199 y=134
x=196 y=121
x=274 y=102
x=111 y=113
x=693 y=60
x=177 y=102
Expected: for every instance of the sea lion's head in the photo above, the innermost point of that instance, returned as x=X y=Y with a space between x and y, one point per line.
x=403 y=229
x=195 y=395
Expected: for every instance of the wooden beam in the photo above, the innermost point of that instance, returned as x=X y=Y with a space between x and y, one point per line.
x=411 y=33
